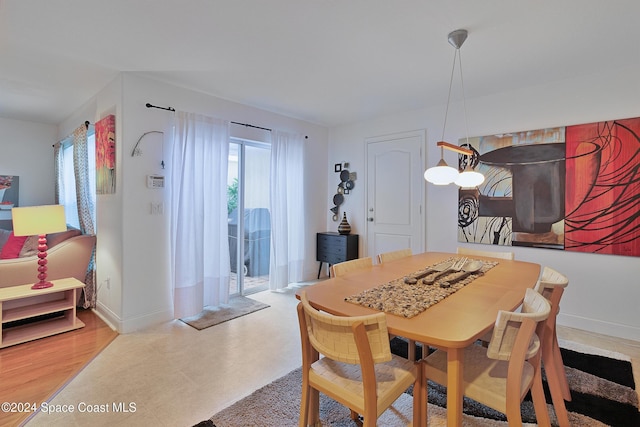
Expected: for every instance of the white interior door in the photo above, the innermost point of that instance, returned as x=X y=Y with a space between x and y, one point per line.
x=395 y=193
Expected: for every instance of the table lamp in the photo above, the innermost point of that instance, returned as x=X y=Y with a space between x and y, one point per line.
x=40 y=221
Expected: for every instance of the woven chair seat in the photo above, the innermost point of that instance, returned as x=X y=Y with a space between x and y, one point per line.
x=479 y=378
x=393 y=378
x=357 y=367
x=501 y=375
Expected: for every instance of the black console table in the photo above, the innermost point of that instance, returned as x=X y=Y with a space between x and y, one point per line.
x=334 y=248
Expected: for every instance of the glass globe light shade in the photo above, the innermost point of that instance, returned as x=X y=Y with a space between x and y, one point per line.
x=441 y=174
x=469 y=179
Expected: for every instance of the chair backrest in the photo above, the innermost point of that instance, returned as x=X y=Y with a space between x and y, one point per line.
x=508 y=324
x=391 y=256
x=551 y=285
x=335 y=336
x=345 y=267
x=550 y=280
x=493 y=254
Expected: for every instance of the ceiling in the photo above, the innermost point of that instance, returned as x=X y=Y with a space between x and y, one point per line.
x=330 y=62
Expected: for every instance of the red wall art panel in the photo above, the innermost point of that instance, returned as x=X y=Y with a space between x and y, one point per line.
x=603 y=188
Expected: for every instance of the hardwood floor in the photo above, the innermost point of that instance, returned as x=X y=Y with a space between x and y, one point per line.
x=34 y=371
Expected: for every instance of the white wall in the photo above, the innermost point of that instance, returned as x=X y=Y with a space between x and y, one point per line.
x=604 y=290
x=109 y=272
x=26 y=151
x=133 y=246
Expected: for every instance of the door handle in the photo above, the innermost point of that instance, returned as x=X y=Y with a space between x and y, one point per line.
x=370 y=219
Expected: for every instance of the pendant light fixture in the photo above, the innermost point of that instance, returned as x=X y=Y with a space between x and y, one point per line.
x=443 y=174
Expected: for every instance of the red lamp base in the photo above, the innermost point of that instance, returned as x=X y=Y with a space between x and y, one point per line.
x=42 y=285
x=42 y=264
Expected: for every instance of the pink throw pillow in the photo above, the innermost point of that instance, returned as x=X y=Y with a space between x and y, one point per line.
x=12 y=248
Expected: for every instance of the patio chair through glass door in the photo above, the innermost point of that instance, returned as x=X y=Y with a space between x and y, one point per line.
x=249 y=220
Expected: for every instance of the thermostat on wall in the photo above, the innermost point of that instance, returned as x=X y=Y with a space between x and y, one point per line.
x=155 y=181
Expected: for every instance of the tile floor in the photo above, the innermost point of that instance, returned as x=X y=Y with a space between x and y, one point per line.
x=252 y=284
x=174 y=375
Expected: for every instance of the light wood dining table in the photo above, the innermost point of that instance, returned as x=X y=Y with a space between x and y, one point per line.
x=451 y=325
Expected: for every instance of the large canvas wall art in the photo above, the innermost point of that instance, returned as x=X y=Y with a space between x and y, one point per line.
x=106 y=155
x=574 y=188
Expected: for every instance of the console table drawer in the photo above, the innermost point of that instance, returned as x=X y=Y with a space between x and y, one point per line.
x=328 y=246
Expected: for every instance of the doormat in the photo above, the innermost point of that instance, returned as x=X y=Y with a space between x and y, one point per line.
x=211 y=316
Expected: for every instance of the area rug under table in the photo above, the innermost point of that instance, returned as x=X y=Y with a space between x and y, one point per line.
x=210 y=316
x=599 y=399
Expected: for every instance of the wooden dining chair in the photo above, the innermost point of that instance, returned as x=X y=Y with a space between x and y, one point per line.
x=492 y=254
x=394 y=255
x=501 y=375
x=356 y=369
x=552 y=285
x=342 y=268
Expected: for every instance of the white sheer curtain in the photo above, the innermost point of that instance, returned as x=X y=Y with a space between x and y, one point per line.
x=199 y=244
x=287 y=210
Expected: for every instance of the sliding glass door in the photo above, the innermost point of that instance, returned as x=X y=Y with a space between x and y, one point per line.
x=249 y=217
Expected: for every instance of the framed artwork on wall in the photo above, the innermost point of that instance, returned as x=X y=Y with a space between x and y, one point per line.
x=574 y=188
x=9 y=194
x=9 y=198
x=106 y=155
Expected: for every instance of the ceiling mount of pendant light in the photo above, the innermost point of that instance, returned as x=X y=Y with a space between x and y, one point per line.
x=443 y=174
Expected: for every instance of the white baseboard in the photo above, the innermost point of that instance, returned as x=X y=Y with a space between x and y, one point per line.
x=600 y=327
x=104 y=318
x=108 y=316
x=125 y=326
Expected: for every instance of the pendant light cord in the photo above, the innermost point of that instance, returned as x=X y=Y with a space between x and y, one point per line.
x=446 y=111
x=457 y=56
x=464 y=98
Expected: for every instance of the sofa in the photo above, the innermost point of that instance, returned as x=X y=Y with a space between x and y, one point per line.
x=68 y=256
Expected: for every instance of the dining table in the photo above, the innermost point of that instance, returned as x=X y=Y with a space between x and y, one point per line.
x=451 y=324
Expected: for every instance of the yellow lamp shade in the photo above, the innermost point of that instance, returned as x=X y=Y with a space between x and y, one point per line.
x=37 y=220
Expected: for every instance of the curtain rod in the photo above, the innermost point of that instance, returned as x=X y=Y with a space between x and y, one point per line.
x=235 y=123
x=250 y=126
x=86 y=125
x=160 y=108
x=258 y=127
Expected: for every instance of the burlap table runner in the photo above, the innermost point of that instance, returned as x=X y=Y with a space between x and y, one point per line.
x=408 y=300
